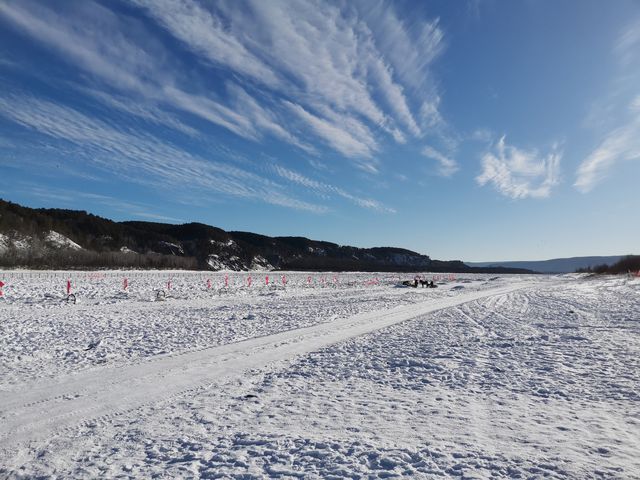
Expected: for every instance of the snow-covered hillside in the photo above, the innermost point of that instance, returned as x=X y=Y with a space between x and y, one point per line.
x=57 y=240
x=318 y=376
x=20 y=243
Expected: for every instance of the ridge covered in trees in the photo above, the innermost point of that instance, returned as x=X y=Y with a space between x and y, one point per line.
x=25 y=241
x=628 y=264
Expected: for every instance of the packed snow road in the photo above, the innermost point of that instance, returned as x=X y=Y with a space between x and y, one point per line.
x=43 y=335
x=36 y=410
x=482 y=377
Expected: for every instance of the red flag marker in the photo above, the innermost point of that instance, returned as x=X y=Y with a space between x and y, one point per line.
x=125 y=284
x=1 y=285
x=68 y=287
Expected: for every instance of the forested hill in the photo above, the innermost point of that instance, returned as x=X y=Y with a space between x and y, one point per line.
x=55 y=238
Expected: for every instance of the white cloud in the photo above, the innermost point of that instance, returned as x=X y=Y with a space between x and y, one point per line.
x=628 y=43
x=621 y=144
x=141 y=157
x=411 y=47
x=321 y=56
x=72 y=199
x=341 y=139
x=482 y=135
x=316 y=45
x=102 y=43
x=518 y=173
x=355 y=68
x=264 y=118
x=447 y=166
x=323 y=189
x=210 y=110
x=619 y=118
x=116 y=59
x=145 y=111
x=202 y=31
x=430 y=114
x=353 y=76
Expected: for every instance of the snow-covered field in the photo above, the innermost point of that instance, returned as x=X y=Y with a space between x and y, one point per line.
x=326 y=376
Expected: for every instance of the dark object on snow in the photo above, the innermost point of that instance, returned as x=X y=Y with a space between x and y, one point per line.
x=72 y=298
x=250 y=395
x=410 y=283
x=160 y=295
x=92 y=345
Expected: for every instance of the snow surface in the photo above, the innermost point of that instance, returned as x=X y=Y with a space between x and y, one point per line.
x=58 y=240
x=346 y=376
x=261 y=264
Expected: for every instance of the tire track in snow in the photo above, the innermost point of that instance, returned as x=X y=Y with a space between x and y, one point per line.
x=34 y=412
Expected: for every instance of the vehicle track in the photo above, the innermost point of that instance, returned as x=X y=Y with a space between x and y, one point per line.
x=35 y=411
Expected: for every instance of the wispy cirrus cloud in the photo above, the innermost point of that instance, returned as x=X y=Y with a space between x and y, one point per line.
x=517 y=173
x=351 y=70
x=71 y=198
x=627 y=44
x=116 y=59
x=264 y=118
x=142 y=157
x=103 y=44
x=316 y=75
x=621 y=141
x=447 y=166
x=341 y=139
x=325 y=189
x=146 y=111
x=204 y=32
x=621 y=144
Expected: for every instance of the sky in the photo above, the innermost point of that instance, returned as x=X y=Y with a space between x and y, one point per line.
x=480 y=130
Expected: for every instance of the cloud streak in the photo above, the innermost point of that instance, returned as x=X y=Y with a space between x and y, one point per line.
x=447 y=166
x=340 y=139
x=519 y=174
x=350 y=79
x=342 y=68
x=621 y=144
x=142 y=157
x=324 y=189
x=101 y=43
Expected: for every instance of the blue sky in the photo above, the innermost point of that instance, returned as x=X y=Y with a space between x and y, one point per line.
x=474 y=130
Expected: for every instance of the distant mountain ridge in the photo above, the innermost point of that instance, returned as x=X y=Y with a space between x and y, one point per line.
x=56 y=238
x=554 y=265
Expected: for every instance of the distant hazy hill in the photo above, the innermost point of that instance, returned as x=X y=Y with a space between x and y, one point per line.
x=54 y=238
x=555 y=265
